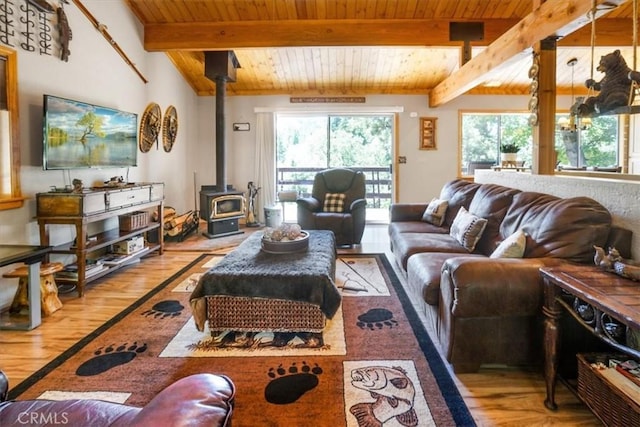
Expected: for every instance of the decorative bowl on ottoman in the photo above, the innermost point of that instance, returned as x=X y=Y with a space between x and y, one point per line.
x=288 y=238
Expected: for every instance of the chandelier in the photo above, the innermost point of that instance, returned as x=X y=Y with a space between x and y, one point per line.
x=574 y=122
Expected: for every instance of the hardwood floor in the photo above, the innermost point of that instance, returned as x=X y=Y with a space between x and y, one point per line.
x=496 y=396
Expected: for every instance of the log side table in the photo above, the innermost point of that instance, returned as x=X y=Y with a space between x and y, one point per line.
x=606 y=304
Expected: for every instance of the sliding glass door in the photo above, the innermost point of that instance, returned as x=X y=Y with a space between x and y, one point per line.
x=308 y=143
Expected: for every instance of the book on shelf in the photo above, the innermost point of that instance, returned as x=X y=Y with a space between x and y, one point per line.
x=71 y=271
x=119 y=259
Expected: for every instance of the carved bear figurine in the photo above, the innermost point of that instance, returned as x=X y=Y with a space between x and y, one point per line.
x=614 y=88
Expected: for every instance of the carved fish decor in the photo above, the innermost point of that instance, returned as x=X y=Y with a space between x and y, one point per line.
x=64 y=31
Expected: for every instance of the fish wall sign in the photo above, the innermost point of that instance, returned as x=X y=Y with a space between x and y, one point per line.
x=36 y=26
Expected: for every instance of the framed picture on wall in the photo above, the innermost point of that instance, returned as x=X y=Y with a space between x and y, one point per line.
x=427 y=133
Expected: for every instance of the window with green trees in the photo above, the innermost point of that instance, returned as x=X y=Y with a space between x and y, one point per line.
x=306 y=143
x=483 y=133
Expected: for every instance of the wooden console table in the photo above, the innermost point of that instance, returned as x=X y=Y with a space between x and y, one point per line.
x=599 y=300
x=97 y=204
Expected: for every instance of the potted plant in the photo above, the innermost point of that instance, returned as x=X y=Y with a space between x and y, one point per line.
x=509 y=152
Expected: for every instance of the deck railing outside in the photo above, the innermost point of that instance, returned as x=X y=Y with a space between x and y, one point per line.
x=377 y=181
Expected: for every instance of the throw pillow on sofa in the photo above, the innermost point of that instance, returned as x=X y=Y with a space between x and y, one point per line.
x=435 y=212
x=334 y=202
x=467 y=229
x=511 y=247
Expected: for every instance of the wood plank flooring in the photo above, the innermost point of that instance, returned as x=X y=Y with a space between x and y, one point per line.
x=496 y=396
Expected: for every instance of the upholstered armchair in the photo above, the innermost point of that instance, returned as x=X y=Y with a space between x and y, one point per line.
x=337 y=203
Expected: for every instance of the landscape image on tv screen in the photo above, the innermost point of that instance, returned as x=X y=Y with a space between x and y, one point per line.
x=81 y=135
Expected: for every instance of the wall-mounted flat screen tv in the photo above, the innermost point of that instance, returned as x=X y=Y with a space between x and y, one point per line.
x=80 y=135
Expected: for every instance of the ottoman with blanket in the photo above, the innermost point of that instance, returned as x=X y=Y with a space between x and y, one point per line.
x=251 y=290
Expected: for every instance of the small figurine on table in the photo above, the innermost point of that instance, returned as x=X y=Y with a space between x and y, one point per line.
x=77 y=185
x=251 y=210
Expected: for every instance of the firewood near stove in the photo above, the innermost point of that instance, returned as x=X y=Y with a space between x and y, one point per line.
x=178 y=227
x=174 y=225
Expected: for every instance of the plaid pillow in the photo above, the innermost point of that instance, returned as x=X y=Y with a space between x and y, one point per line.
x=334 y=202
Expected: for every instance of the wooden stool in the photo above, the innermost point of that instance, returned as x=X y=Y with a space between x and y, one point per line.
x=48 y=288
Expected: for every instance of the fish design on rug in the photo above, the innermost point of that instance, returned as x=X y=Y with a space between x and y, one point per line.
x=109 y=358
x=164 y=309
x=288 y=385
x=393 y=392
x=376 y=318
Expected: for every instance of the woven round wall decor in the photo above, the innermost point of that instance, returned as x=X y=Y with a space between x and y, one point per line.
x=150 y=125
x=169 y=128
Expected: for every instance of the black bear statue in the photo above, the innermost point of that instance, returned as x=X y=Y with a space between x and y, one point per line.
x=614 y=88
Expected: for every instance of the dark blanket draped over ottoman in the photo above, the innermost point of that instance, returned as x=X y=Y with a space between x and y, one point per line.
x=249 y=272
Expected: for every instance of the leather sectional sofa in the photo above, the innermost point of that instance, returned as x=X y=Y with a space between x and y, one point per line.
x=196 y=400
x=485 y=308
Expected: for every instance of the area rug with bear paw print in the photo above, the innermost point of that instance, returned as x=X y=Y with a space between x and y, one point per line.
x=373 y=365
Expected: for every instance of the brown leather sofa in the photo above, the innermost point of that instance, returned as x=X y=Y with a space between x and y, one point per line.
x=196 y=400
x=489 y=310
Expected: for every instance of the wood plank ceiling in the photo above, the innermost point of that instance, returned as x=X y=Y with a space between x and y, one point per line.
x=360 y=47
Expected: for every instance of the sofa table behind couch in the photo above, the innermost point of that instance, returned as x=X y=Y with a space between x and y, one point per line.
x=571 y=288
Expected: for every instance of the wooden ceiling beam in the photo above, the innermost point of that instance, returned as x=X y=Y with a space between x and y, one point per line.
x=609 y=32
x=294 y=33
x=398 y=32
x=557 y=18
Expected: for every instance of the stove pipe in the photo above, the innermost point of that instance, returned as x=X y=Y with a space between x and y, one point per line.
x=220 y=67
x=221 y=164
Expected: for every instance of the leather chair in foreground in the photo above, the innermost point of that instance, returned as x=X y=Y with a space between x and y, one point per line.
x=337 y=203
x=196 y=400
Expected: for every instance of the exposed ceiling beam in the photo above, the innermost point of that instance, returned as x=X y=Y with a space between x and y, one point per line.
x=337 y=32
x=342 y=32
x=609 y=32
x=554 y=18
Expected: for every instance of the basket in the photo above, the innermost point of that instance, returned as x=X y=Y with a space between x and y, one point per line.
x=251 y=314
x=604 y=398
x=133 y=220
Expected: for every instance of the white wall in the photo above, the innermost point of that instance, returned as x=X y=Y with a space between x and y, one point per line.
x=419 y=179
x=96 y=73
x=619 y=197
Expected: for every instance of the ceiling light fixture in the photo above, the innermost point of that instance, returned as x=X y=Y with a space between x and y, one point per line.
x=574 y=122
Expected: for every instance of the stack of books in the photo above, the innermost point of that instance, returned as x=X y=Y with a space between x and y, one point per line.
x=96 y=265
x=70 y=271
x=121 y=259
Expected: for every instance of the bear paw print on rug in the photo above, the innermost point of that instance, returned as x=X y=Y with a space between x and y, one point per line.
x=288 y=385
x=110 y=357
x=164 y=309
x=376 y=318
